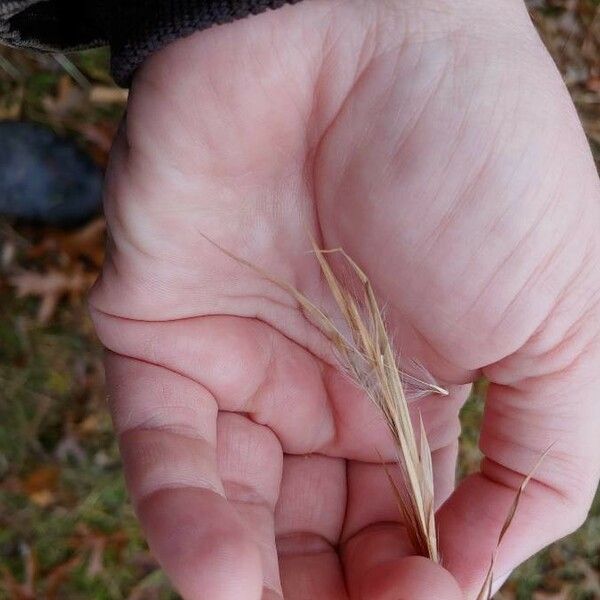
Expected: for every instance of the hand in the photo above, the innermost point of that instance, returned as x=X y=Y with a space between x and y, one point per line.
x=434 y=142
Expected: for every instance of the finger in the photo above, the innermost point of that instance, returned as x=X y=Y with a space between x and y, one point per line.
x=374 y=533
x=371 y=499
x=411 y=578
x=373 y=546
x=308 y=520
x=250 y=367
x=311 y=572
x=167 y=431
x=444 y=472
x=250 y=460
x=529 y=407
x=202 y=544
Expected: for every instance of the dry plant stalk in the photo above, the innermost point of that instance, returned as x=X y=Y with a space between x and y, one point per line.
x=369 y=359
x=486 y=590
x=371 y=362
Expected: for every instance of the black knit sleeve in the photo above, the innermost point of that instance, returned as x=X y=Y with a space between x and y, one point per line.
x=133 y=28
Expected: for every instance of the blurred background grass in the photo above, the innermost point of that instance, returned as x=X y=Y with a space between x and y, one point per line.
x=67 y=529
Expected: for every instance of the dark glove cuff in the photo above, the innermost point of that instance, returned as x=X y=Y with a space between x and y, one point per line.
x=53 y=24
x=141 y=27
x=133 y=28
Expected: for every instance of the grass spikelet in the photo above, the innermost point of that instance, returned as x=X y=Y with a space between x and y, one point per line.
x=371 y=361
x=367 y=355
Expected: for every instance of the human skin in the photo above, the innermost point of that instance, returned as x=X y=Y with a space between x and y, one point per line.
x=435 y=142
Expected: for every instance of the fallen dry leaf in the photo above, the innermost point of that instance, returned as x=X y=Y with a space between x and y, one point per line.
x=43 y=478
x=43 y=498
x=593 y=84
x=86 y=242
x=104 y=94
x=51 y=287
x=67 y=97
x=57 y=577
x=91 y=424
x=40 y=485
x=11 y=108
x=100 y=138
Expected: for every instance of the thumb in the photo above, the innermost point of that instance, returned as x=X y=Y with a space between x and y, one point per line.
x=411 y=578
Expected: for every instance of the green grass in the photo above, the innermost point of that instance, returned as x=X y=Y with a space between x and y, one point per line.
x=62 y=494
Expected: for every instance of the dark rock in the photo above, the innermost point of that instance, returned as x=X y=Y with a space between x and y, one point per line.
x=46 y=178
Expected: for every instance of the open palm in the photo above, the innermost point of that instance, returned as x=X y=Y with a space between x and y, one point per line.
x=435 y=143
